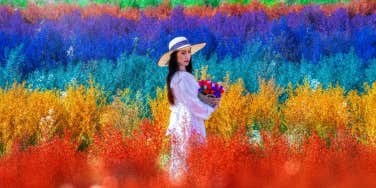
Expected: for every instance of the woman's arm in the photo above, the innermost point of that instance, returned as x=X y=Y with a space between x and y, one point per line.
x=185 y=90
x=212 y=101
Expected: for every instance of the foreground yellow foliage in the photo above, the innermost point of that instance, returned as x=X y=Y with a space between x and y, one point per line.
x=362 y=113
x=264 y=106
x=315 y=109
x=160 y=108
x=83 y=108
x=28 y=115
x=31 y=116
x=125 y=113
x=233 y=111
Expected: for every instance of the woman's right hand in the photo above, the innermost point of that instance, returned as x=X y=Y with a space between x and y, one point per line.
x=212 y=101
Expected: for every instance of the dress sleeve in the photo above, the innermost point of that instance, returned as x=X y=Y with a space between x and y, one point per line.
x=185 y=89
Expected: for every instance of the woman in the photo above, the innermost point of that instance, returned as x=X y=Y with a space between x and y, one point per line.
x=188 y=112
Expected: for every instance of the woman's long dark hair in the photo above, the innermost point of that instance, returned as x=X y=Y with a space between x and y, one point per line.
x=173 y=67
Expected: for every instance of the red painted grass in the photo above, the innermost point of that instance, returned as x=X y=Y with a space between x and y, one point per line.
x=346 y=163
x=130 y=161
x=116 y=161
x=51 y=164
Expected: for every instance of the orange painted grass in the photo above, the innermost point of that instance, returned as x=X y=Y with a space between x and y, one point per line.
x=116 y=161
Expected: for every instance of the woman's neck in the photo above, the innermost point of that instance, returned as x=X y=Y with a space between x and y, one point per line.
x=182 y=68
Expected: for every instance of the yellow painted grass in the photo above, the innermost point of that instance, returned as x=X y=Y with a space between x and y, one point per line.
x=31 y=116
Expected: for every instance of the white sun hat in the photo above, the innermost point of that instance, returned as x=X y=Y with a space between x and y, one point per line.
x=176 y=44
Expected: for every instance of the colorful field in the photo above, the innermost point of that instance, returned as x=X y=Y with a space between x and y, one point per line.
x=83 y=102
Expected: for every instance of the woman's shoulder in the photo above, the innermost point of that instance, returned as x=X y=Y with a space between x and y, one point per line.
x=182 y=74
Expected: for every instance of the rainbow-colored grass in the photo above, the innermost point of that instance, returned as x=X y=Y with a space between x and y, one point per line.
x=83 y=103
x=152 y=3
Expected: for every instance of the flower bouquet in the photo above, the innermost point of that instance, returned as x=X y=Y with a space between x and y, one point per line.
x=209 y=91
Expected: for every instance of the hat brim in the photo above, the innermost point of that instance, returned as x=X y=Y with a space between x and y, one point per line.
x=165 y=58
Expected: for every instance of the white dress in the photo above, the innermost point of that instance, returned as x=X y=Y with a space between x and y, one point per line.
x=187 y=118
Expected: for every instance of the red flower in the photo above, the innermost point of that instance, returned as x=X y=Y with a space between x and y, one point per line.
x=210 y=87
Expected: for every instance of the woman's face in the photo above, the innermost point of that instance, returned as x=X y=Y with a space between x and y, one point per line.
x=184 y=56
